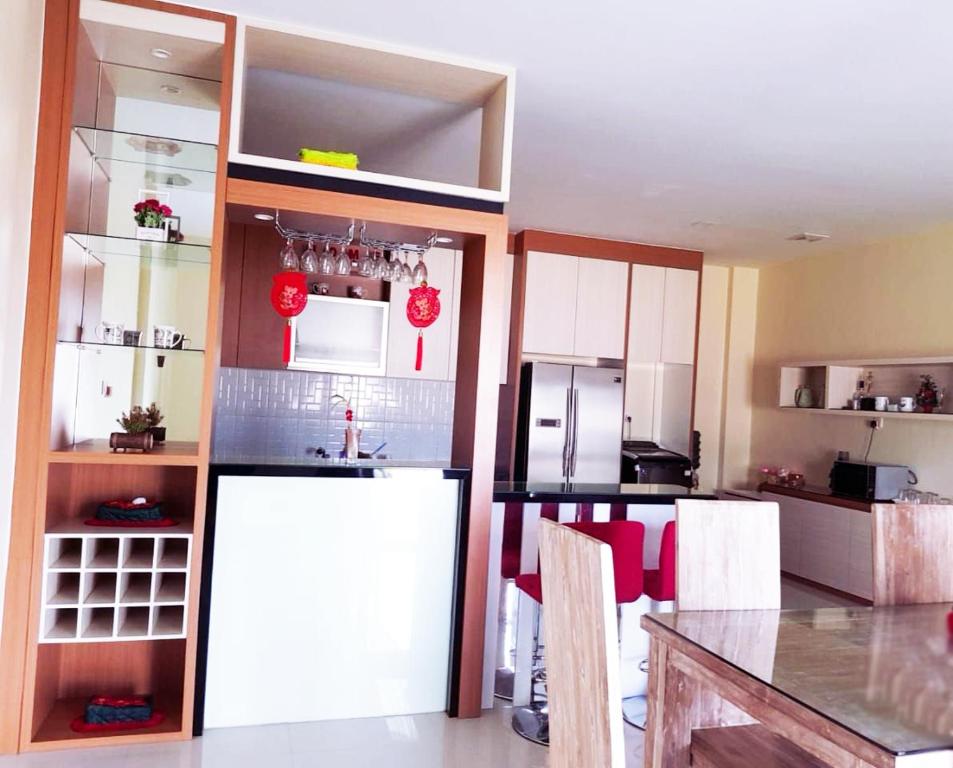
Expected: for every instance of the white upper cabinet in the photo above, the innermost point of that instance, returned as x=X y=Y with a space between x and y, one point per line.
x=600 y=308
x=402 y=338
x=574 y=306
x=549 y=312
x=678 y=316
x=645 y=314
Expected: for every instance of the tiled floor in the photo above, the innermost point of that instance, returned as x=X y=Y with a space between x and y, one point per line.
x=421 y=741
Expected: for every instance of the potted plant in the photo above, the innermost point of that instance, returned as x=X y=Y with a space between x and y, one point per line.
x=928 y=394
x=151 y=217
x=136 y=436
x=155 y=418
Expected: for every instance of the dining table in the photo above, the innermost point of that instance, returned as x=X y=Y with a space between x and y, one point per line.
x=853 y=686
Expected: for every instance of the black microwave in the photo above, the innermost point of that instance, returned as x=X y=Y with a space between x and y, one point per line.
x=869 y=481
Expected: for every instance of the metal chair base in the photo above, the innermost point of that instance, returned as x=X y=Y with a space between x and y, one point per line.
x=532 y=723
x=503 y=685
x=635 y=710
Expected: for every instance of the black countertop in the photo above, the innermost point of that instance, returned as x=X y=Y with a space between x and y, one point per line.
x=595 y=493
x=365 y=468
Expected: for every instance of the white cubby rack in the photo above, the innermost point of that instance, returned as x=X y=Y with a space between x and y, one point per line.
x=115 y=584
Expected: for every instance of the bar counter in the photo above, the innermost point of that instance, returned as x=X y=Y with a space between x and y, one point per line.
x=594 y=493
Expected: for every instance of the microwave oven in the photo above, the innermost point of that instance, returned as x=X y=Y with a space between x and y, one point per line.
x=869 y=481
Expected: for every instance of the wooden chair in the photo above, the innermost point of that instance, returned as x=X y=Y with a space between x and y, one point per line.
x=912 y=548
x=728 y=555
x=582 y=644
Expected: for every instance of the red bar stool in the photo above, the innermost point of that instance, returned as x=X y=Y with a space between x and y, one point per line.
x=659 y=585
x=626 y=538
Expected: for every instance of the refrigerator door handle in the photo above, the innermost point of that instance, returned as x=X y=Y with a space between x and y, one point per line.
x=575 y=431
x=567 y=435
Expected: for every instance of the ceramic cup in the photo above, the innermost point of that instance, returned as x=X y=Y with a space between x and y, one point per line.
x=166 y=337
x=109 y=333
x=881 y=403
x=131 y=338
x=907 y=404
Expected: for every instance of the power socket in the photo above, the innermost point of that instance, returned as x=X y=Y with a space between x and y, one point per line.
x=875 y=424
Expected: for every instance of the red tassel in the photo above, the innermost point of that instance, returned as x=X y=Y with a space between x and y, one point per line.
x=286 y=352
x=420 y=350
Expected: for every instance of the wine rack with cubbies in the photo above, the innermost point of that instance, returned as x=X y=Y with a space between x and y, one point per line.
x=114 y=586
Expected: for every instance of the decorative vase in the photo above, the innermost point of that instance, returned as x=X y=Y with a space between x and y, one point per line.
x=158 y=434
x=155 y=234
x=131 y=441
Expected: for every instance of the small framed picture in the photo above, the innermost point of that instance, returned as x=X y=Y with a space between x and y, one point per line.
x=173 y=226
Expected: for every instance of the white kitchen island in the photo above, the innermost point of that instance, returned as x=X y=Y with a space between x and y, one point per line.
x=332 y=592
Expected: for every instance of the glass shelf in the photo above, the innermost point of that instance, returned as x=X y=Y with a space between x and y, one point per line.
x=153 y=151
x=138 y=347
x=109 y=245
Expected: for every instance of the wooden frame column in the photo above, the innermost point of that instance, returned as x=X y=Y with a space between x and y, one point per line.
x=478 y=370
x=50 y=170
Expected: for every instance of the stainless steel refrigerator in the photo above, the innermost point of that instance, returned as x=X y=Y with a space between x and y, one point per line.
x=570 y=424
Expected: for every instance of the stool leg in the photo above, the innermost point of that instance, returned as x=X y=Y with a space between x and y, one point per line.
x=525 y=650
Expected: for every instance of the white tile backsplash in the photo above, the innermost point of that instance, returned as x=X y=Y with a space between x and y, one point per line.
x=286 y=414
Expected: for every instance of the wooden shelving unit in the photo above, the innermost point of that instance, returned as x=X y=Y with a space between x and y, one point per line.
x=112 y=610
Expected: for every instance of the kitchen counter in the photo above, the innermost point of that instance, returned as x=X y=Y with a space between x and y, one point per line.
x=270 y=466
x=815 y=493
x=595 y=493
x=317 y=561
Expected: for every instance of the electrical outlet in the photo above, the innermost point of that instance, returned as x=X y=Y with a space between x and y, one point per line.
x=875 y=424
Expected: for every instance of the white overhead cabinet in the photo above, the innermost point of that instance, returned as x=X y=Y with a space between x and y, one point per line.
x=574 y=306
x=679 y=315
x=661 y=355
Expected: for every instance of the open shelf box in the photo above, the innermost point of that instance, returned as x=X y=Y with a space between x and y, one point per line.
x=417 y=120
x=833 y=384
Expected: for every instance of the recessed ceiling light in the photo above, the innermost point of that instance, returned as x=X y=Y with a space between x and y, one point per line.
x=161 y=53
x=170 y=89
x=444 y=240
x=265 y=216
x=809 y=237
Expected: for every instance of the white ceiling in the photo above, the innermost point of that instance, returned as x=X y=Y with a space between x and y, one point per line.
x=752 y=119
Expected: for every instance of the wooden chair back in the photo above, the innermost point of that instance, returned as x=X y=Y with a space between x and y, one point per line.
x=584 y=688
x=912 y=551
x=728 y=555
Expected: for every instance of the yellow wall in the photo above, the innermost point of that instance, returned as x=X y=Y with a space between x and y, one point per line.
x=888 y=299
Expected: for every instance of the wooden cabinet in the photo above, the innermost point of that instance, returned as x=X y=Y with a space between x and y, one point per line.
x=574 y=306
x=679 y=315
x=645 y=314
x=600 y=308
x=439 y=359
x=827 y=544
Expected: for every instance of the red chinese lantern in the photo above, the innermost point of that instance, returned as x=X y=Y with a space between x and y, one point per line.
x=289 y=297
x=423 y=308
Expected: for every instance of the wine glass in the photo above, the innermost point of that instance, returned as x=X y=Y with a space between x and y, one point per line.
x=325 y=262
x=365 y=265
x=387 y=269
x=342 y=265
x=406 y=274
x=288 y=259
x=309 y=259
x=420 y=270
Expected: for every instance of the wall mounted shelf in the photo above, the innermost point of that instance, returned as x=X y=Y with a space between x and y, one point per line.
x=833 y=383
